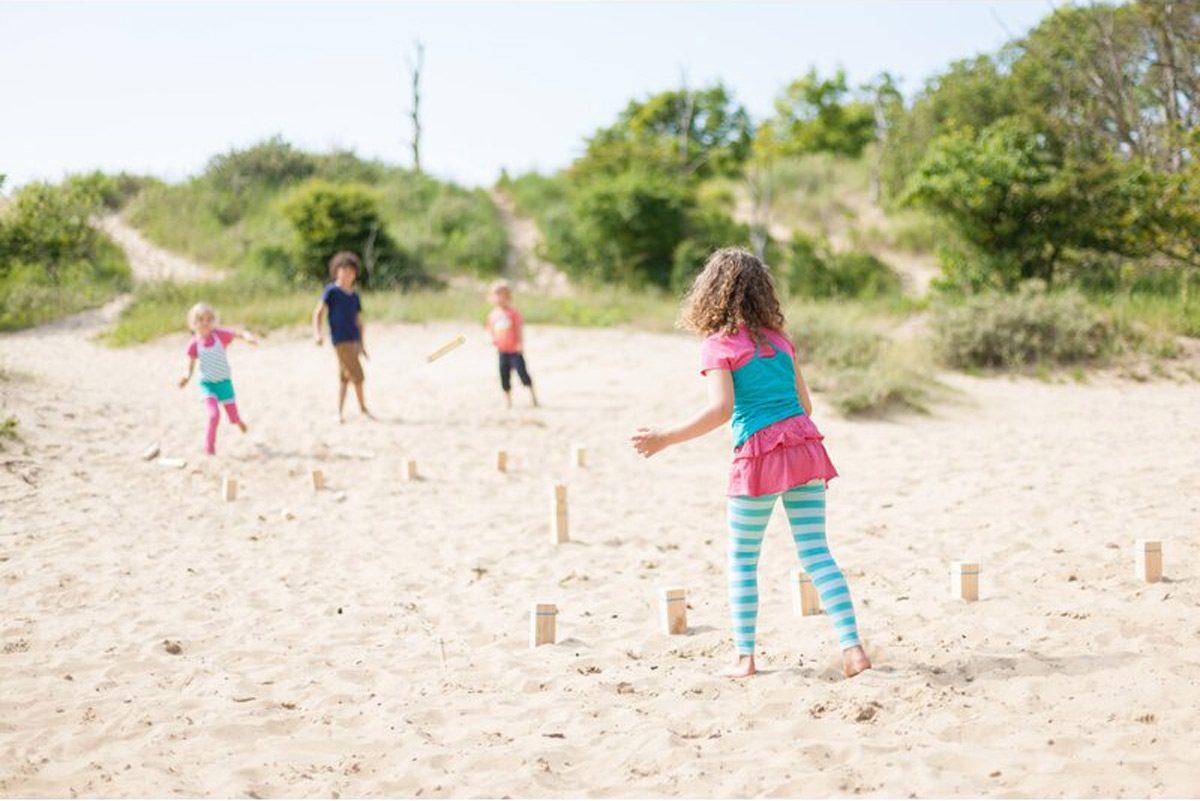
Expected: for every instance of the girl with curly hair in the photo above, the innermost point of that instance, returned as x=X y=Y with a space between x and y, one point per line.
x=754 y=378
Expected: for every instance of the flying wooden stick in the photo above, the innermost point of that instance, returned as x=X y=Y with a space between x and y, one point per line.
x=444 y=349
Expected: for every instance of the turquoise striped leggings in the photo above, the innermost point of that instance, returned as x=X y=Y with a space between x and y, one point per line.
x=805 y=507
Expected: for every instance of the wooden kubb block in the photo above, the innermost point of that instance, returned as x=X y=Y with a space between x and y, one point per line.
x=229 y=488
x=502 y=460
x=1149 y=560
x=579 y=456
x=964 y=580
x=409 y=470
x=318 y=480
x=673 y=611
x=805 y=596
x=558 y=514
x=541 y=624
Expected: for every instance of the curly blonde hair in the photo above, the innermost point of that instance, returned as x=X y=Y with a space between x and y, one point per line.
x=734 y=290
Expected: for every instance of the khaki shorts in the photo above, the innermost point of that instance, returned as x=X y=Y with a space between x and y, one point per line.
x=349 y=368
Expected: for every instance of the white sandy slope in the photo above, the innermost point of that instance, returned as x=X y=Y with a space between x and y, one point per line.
x=311 y=659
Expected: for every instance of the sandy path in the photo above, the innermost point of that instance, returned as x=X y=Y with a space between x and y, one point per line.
x=311 y=647
x=523 y=265
x=147 y=260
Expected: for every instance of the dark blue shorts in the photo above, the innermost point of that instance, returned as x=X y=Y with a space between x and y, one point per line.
x=510 y=362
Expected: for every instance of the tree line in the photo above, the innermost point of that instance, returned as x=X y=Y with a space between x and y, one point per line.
x=1068 y=156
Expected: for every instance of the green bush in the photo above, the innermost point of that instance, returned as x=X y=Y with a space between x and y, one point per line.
x=638 y=229
x=112 y=192
x=466 y=234
x=346 y=165
x=232 y=180
x=52 y=261
x=708 y=227
x=628 y=227
x=272 y=163
x=328 y=218
x=812 y=271
x=852 y=362
x=1030 y=327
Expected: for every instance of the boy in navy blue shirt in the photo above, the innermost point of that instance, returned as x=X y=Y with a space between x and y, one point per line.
x=345 y=326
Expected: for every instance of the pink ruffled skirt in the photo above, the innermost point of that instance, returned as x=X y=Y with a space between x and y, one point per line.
x=781 y=456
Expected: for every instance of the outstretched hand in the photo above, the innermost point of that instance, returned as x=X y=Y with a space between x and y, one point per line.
x=648 y=441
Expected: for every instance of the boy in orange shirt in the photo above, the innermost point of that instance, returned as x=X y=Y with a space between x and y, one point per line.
x=504 y=325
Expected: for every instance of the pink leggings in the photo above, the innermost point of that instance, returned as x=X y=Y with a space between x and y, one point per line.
x=214 y=417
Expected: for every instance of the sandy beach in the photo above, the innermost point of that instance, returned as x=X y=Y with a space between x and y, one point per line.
x=372 y=639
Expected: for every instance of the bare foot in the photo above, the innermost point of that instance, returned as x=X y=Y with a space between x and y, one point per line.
x=367 y=415
x=742 y=669
x=243 y=426
x=854 y=661
x=339 y=418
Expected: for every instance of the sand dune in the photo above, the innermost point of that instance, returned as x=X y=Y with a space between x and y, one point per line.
x=377 y=645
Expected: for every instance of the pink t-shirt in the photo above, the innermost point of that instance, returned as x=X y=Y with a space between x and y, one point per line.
x=225 y=335
x=731 y=351
x=505 y=326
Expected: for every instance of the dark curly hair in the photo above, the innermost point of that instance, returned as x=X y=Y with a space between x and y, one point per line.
x=734 y=290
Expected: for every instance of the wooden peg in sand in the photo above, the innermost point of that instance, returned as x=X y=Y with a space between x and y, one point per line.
x=541 y=624
x=964 y=580
x=579 y=456
x=318 y=479
x=1149 y=560
x=807 y=600
x=502 y=460
x=408 y=471
x=558 y=514
x=229 y=488
x=673 y=611
x=444 y=349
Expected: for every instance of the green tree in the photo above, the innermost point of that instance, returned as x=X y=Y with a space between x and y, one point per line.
x=819 y=115
x=972 y=93
x=693 y=134
x=1020 y=208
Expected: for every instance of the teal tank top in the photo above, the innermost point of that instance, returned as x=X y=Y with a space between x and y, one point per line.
x=764 y=392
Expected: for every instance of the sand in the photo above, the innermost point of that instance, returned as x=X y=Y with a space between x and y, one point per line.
x=372 y=639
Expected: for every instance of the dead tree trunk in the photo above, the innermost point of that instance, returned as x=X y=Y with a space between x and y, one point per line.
x=416 y=62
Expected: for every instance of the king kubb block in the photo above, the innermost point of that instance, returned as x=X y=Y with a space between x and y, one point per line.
x=558 y=514
x=673 y=611
x=805 y=597
x=1149 y=560
x=541 y=624
x=964 y=580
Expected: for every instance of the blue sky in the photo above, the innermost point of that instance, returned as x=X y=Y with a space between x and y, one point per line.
x=160 y=87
